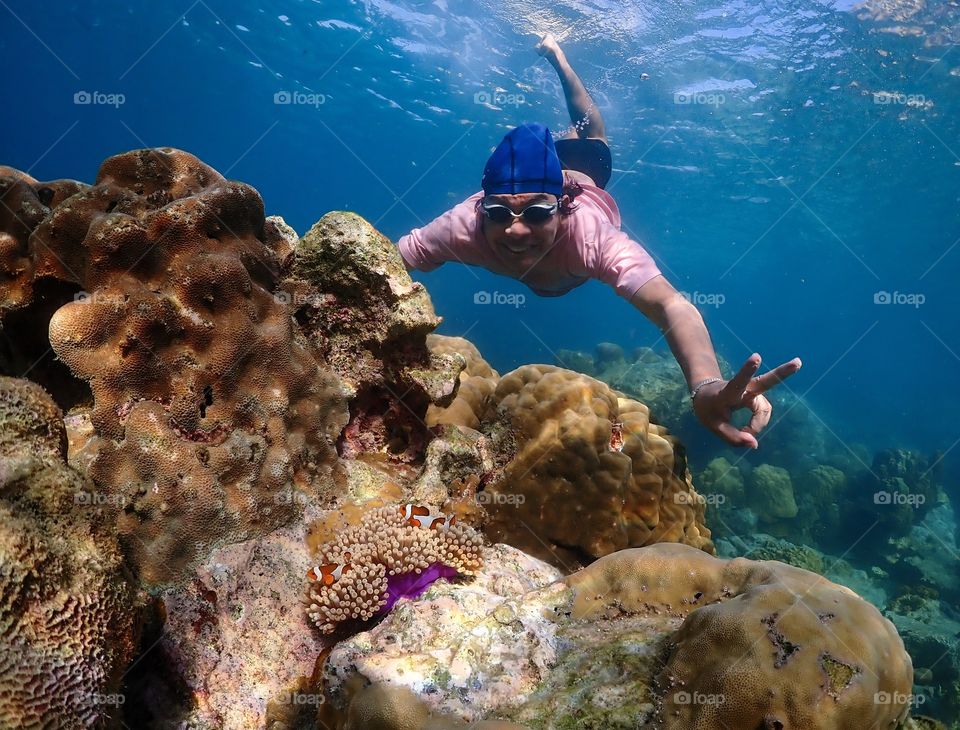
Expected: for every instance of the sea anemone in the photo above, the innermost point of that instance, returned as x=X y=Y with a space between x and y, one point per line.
x=387 y=556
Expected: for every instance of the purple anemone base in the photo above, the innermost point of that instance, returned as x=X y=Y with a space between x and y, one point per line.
x=411 y=585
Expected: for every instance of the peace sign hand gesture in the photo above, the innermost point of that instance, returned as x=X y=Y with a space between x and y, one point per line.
x=715 y=403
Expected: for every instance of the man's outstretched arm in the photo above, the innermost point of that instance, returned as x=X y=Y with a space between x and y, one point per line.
x=690 y=343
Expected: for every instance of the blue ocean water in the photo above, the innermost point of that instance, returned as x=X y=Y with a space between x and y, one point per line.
x=793 y=161
x=794 y=166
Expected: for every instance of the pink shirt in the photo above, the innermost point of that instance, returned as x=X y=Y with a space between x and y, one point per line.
x=589 y=245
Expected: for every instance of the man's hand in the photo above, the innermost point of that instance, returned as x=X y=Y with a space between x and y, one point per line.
x=716 y=402
x=548 y=46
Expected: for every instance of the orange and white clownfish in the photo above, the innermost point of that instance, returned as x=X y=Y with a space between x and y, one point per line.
x=418 y=516
x=329 y=573
x=413 y=514
x=442 y=521
x=616 y=436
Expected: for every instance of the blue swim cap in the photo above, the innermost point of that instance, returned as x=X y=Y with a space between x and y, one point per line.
x=524 y=162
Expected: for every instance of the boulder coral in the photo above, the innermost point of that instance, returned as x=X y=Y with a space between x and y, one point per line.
x=68 y=613
x=564 y=490
x=771 y=493
x=208 y=404
x=477 y=383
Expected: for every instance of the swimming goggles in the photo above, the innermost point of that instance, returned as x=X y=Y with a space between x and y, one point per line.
x=536 y=214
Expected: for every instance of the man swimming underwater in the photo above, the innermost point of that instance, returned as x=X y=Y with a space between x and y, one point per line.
x=543 y=218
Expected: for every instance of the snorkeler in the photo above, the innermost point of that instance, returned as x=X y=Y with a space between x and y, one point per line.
x=543 y=218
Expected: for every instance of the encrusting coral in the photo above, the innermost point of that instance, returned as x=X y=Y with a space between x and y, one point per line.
x=208 y=404
x=391 y=553
x=67 y=610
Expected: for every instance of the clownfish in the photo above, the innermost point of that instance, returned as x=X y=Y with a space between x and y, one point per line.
x=616 y=436
x=418 y=516
x=442 y=521
x=413 y=514
x=329 y=573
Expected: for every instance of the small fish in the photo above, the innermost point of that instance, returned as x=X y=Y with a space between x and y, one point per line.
x=418 y=516
x=616 y=436
x=413 y=513
x=443 y=522
x=329 y=573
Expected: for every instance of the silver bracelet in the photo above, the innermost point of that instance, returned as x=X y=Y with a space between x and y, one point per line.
x=696 y=388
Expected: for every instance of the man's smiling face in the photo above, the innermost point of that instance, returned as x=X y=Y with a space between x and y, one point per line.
x=517 y=240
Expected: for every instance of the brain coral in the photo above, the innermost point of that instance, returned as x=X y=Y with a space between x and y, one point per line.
x=67 y=611
x=562 y=492
x=208 y=404
x=384 y=558
x=763 y=645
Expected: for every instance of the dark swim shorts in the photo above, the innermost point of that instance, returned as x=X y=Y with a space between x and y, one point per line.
x=589 y=156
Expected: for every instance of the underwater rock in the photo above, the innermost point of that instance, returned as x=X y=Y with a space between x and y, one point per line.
x=68 y=609
x=720 y=477
x=821 y=493
x=354 y=299
x=609 y=354
x=234 y=647
x=901 y=488
x=771 y=493
x=582 y=362
x=660 y=637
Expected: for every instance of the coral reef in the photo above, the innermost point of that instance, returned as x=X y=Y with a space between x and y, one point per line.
x=68 y=613
x=241 y=400
x=624 y=643
x=384 y=558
